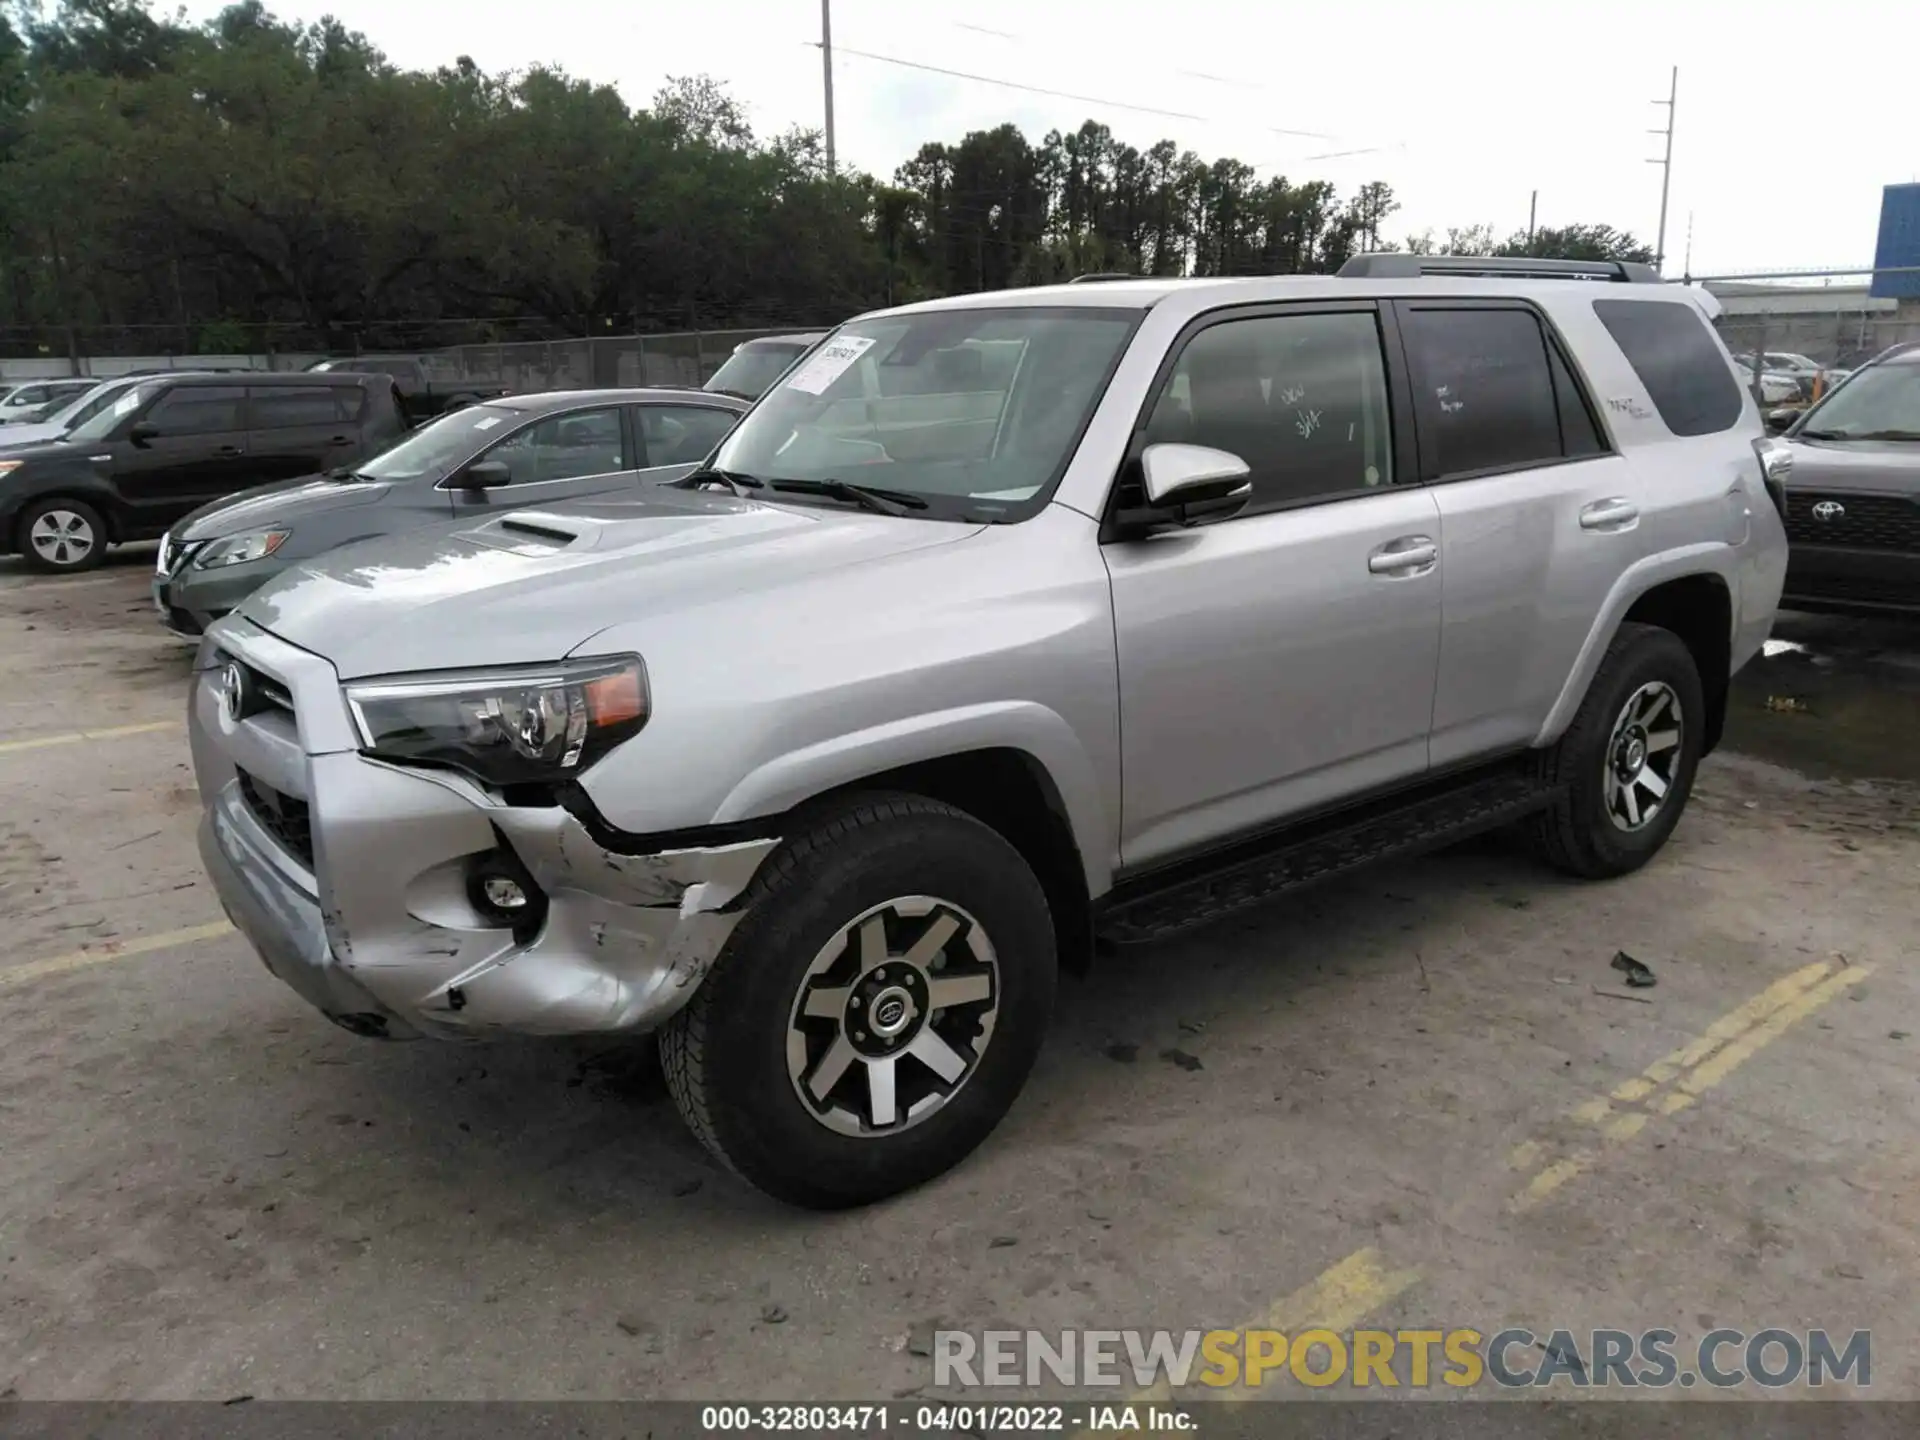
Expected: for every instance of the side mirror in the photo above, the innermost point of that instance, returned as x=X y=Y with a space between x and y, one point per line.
x=143 y=433
x=1778 y=421
x=485 y=475
x=1189 y=483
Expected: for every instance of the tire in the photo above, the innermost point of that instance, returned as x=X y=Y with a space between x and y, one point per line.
x=738 y=1081
x=1591 y=830
x=60 y=536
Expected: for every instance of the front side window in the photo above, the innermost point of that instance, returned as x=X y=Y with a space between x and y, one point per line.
x=1483 y=390
x=27 y=395
x=1881 y=402
x=682 y=434
x=974 y=412
x=1674 y=354
x=197 y=410
x=562 y=447
x=1302 y=399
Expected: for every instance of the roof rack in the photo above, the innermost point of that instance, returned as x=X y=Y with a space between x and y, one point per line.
x=1100 y=275
x=1389 y=266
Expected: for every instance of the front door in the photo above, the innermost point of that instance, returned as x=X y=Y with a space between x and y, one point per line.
x=1282 y=659
x=562 y=457
x=194 y=451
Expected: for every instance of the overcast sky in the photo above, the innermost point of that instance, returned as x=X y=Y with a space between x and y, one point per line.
x=1782 y=145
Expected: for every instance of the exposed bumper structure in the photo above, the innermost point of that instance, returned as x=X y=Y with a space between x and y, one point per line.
x=351 y=878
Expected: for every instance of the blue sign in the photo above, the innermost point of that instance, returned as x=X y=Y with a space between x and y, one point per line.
x=1899 y=246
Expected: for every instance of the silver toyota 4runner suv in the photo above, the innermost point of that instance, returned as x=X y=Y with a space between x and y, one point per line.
x=1003 y=624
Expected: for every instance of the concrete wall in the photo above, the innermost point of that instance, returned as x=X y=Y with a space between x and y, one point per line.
x=106 y=367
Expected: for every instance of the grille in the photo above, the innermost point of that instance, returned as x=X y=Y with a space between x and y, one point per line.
x=1870 y=522
x=284 y=817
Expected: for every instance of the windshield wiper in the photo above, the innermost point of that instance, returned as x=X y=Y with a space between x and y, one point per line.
x=1858 y=435
x=881 y=502
x=737 y=481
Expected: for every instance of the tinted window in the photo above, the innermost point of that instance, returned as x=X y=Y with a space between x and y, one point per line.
x=1579 y=433
x=197 y=410
x=1301 y=398
x=563 y=447
x=28 y=395
x=682 y=434
x=1483 y=394
x=282 y=407
x=1677 y=359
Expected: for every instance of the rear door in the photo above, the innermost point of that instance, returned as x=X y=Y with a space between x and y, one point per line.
x=196 y=452
x=560 y=457
x=1539 y=516
x=303 y=429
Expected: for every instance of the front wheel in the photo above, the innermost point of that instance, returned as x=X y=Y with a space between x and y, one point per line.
x=1626 y=764
x=876 y=1011
x=61 y=536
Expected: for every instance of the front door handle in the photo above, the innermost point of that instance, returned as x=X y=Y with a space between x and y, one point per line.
x=1409 y=555
x=225 y=451
x=1614 y=514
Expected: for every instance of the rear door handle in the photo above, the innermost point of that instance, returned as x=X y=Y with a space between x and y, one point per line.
x=227 y=450
x=1615 y=514
x=1409 y=555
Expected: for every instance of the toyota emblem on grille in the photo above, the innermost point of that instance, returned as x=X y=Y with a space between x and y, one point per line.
x=1829 y=510
x=233 y=691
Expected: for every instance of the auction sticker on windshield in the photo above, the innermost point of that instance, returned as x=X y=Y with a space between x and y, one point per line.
x=829 y=363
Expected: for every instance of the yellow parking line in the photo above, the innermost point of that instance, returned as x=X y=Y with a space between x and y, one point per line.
x=1678 y=1080
x=74 y=737
x=111 y=950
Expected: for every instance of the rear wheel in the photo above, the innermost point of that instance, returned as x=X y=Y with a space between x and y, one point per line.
x=876 y=1011
x=1627 y=762
x=61 y=535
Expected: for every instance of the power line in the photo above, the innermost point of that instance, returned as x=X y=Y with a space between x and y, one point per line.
x=1065 y=94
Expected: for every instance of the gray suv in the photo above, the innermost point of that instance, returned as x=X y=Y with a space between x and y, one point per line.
x=1002 y=623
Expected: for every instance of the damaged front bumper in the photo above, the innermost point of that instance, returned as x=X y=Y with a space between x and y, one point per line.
x=353 y=878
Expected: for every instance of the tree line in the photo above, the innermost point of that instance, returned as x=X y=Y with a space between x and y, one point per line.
x=252 y=183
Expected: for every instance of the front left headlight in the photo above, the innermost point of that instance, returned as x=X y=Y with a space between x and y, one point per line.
x=239 y=549
x=525 y=725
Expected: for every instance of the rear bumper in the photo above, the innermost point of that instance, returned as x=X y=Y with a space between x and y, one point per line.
x=1843 y=579
x=355 y=892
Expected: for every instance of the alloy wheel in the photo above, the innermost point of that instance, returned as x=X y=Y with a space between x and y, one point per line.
x=62 y=538
x=892 y=1017
x=1643 y=756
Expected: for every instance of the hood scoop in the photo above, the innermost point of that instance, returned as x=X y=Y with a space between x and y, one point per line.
x=530 y=533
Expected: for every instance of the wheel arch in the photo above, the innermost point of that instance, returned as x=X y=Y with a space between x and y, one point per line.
x=1690 y=592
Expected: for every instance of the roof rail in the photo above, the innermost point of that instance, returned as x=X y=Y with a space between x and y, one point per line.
x=1100 y=275
x=1389 y=266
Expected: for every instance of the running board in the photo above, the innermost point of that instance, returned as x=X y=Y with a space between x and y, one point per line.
x=1194 y=893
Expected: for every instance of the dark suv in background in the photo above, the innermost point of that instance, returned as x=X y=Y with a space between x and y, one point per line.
x=1853 y=493
x=171 y=444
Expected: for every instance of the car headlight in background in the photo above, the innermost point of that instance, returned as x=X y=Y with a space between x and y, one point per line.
x=239 y=549
x=518 y=726
x=7 y=467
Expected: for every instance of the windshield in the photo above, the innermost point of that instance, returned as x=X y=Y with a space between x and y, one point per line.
x=974 y=411
x=752 y=368
x=437 y=448
x=118 y=406
x=1880 y=401
x=88 y=403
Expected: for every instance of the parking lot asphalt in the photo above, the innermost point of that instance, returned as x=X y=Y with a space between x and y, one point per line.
x=1417 y=1098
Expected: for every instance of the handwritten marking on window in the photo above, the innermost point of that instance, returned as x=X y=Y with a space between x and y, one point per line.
x=1293 y=395
x=1306 y=422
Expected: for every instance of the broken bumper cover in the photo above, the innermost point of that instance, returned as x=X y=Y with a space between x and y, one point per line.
x=378 y=930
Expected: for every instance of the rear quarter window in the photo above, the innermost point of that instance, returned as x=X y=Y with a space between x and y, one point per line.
x=1677 y=359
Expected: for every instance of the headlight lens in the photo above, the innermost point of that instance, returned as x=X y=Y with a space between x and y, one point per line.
x=505 y=727
x=239 y=549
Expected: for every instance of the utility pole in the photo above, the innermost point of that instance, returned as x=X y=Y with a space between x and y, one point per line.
x=1533 y=208
x=826 y=69
x=1665 y=162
